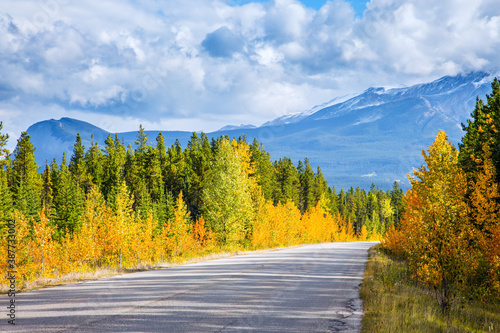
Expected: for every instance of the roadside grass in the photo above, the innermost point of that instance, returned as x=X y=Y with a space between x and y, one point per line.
x=393 y=302
x=98 y=273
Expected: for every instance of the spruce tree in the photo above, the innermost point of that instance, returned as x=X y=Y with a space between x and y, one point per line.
x=26 y=182
x=264 y=169
x=198 y=155
x=47 y=189
x=4 y=152
x=77 y=166
x=114 y=163
x=483 y=128
x=287 y=182
x=69 y=202
x=93 y=162
x=5 y=193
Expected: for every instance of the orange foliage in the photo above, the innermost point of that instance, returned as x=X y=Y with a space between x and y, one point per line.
x=201 y=235
x=395 y=241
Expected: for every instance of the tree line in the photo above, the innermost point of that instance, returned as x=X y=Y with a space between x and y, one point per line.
x=450 y=230
x=120 y=205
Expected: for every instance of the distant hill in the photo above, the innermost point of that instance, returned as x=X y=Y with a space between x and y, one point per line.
x=374 y=137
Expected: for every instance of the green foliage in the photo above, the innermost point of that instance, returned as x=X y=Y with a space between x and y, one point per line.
x=25 y=180
x=93 y=161
x=229 y=183
x=287 y=182
x=483 y=128
x=4 y=152
x=77 y=165
x=69 y=202
x=227 y=202
x=113 y=167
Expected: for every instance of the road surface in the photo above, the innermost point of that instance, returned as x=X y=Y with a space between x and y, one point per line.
x=304 y=289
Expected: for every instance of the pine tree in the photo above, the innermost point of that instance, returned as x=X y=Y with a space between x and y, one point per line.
x=483 y=128
x=197 y=155
x=5 y=202
x=306 y=176
x=4 y=152
x=287 y=182
x=397 y=202
x=113 y=162
x=68 y=202
x=47 y=189
x=93 y=162
x=331 y=195
x=5 y=193
x=26 y=182
x=320 y=186
x=77 y=165
x=263 y=169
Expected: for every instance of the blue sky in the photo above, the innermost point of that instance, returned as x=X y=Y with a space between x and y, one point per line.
x=359 y=6
x=203 y=64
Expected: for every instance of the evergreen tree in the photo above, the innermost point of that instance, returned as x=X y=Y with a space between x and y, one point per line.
x=5 y=193
x=93 y=162
x=359 y=204
x=4 y=152
x=113 y=162
x=197 y=156
x=483 y=128
x=396 y=202
x=264 y=169
x=333 y=200
x=77 y=166
x=68 y=202
x=26 y=182
x=5 y=202
x=176 y=169
x=319 y=187
x=47 y=189
x=287 y=182
x=163 y=206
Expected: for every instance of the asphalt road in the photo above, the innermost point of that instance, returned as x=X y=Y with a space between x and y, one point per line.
x=305 y=289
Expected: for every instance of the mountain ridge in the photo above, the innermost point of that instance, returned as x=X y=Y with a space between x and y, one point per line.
x=373 y=137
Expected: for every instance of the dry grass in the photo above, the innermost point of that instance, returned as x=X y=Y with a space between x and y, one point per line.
x=393 y=302
x=75 y=277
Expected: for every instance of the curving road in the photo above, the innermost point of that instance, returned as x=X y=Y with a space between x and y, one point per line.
x=311 y=288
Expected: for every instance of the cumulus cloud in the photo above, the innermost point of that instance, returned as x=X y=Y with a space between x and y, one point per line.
x=222 y=43
x=200 y=65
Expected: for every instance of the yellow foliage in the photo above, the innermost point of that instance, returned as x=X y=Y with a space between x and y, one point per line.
x=363 y=235
x=394 y=241
x=180 y=230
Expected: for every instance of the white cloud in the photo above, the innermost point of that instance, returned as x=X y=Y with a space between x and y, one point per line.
x=206 y=63
x=370 y=175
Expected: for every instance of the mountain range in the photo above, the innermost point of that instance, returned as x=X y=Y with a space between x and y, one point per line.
x=373 y=137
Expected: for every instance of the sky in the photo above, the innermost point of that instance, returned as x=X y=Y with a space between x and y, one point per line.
x=203 y=64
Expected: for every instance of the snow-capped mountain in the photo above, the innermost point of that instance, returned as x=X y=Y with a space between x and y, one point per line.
x=298 y=116
x=236 y=127
x=374 y=137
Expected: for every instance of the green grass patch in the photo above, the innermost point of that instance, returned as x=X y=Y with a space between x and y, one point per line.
x=393 y=302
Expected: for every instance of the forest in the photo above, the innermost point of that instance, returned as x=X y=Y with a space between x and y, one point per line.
x=449 y=232
x=117 y=207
